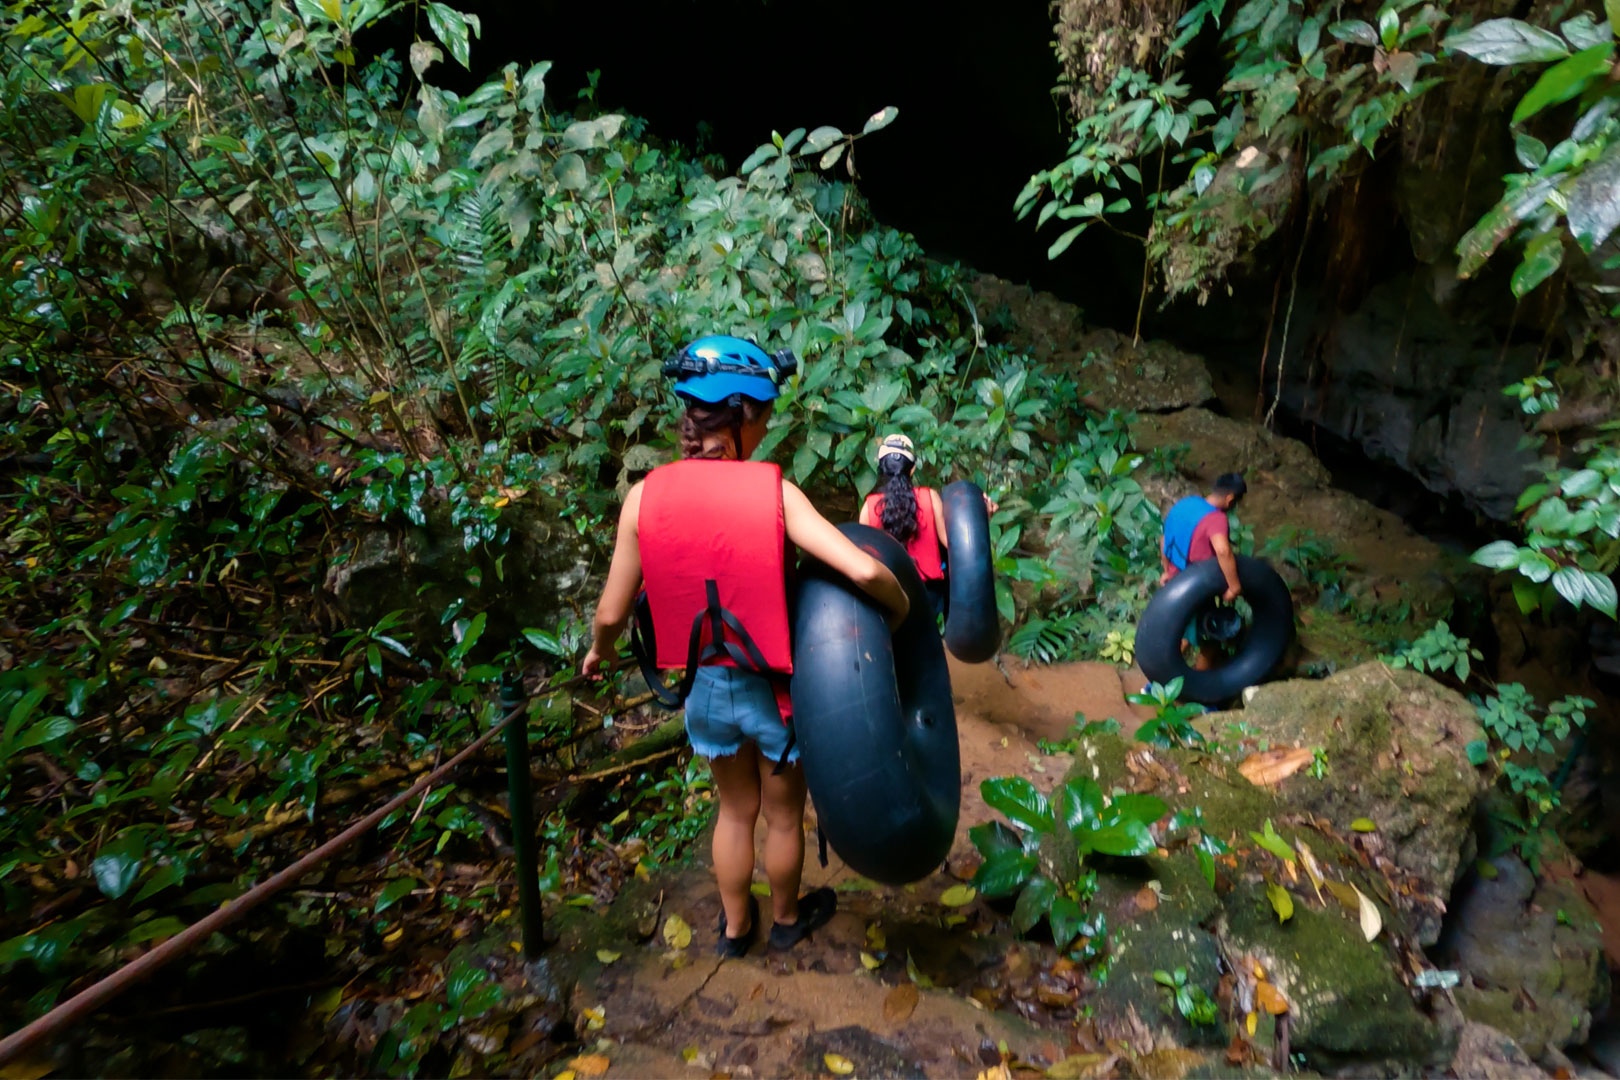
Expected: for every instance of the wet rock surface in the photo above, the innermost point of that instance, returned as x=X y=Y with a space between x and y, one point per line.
x=1531 y=957
x=1396 y=743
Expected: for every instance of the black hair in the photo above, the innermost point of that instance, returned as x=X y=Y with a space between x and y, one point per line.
x=1231 y=484
x=899 y=501
x=702 y=418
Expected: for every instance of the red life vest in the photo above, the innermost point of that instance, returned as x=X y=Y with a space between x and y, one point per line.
x=714 y=554
x=923 y=547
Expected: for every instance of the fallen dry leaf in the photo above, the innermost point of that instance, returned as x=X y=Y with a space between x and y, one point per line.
x=1170 y=1063
x=1146 y=899
x=838 y=1064
x=589 y=1064
x=1371 y=921
x=900 y=1003
x=870 y=962
x=1269 y=998
x=1345 y=894
x=1312 y=869
x=676 y=933
x=996 y=1072
x=1275 y=765
x=958 y=895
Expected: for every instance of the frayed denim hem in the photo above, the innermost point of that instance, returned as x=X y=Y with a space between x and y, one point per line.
x=710 y=751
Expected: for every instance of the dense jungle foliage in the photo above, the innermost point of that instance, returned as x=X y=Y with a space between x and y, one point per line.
x=264 y=292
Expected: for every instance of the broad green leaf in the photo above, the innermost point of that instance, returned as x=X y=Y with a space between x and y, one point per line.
x=570 y=172
x=1507 y=41
x=821 y=138
x=1310 y=35
x=1082 y=802
x=163 y=926
x=1498 y=555
x=118 y=864
x=880 y=119
x=759 y=157
x=1066 y=919
x=1274 y=843
x=1563 y=81
x=1033 y=904
x=546 y=643
x=1389 y=28
x=1531 y=151
x=1144 y=808
x=1017 y=798
x=1578 y=485
x=1478 y=752
x=1594 y=199
x=1542 y=257
x=1004 y=873
x=391 y=893
x=1354 y=31
x=450 y=26
x=1121 y=838
x=1583 y=31
x=1061 y=244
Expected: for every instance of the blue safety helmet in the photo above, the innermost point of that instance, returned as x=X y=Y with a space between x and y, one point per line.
x=718 y=368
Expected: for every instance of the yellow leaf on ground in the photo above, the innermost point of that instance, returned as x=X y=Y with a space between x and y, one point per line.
x=1275 y=765
x=900 y=1003
x=1251 y=1021
x=760 y=888
x=1371 y=921
x=958 y=895
x=1281 y=902
x=1269 y=998
x=399 y=932
x=595 y=1018
x=676 y=933
x=870 y=962
x=566 y=1074
x=689 y=1054
x=589 y=1064
x=607 y=956
x=876 y=938
x=996 y=1072
x=1364 y=824
x=838 y=1064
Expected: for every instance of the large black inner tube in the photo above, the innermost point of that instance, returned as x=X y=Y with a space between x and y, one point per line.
x=874 y=718
x=972 y=628
x=1255 y=651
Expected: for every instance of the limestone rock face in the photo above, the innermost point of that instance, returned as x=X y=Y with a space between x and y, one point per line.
x=1396 y=749
x=1531 y=956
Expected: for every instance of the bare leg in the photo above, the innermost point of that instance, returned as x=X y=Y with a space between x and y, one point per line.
x=784 y=837
x=736 y=778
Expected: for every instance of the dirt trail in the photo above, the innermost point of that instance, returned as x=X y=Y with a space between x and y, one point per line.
x=671 y=1012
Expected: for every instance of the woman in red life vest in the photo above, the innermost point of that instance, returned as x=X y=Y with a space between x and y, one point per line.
x=912 y=515
x=711 y=538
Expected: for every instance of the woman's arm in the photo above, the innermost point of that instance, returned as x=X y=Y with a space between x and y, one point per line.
x=618 y=600
x=818 y=538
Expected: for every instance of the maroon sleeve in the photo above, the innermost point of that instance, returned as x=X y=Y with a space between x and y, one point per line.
x=1215 y=523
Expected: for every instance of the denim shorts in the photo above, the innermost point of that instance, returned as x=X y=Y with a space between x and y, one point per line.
x=728 y=707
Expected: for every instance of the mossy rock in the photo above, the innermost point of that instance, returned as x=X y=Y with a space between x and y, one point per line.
x=1531 y=956
x=1396 y=744
x=1346 y=1003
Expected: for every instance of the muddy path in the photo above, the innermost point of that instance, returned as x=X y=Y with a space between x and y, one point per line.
x=896 y=983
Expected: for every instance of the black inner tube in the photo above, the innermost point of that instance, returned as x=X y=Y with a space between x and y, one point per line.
x=1256 y=650
x=972 y=628
x=875 y=722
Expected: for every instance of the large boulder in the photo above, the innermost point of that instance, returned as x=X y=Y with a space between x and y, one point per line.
x=1530 y=953
x=1396 y=747
x=1349 y=1004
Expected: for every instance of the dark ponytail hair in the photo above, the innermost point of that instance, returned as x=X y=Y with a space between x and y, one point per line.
x=702 y=418
x=899 y=501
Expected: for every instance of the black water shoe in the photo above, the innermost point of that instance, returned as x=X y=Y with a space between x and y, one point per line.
x=815 y=908
x=733 y=947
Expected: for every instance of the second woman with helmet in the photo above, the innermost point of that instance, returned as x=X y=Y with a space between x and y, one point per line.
x=712 y=536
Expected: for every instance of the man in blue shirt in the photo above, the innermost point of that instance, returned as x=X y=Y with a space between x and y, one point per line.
x=1197 y=528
